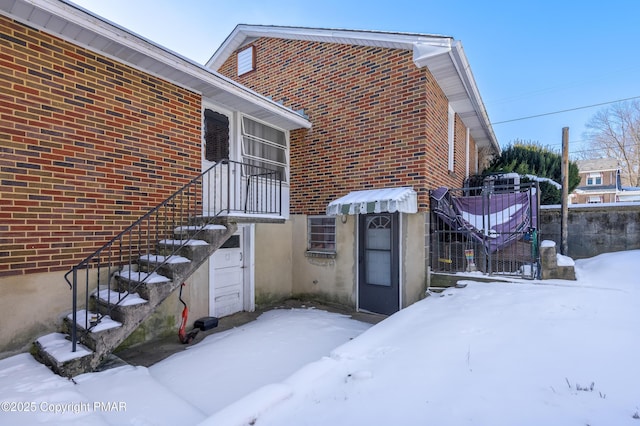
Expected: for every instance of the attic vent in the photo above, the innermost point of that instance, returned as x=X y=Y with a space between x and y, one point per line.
x=246 y=60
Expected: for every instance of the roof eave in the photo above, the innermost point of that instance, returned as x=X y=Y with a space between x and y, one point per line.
x=443 y=56
x=81 y=27
x=450 y=68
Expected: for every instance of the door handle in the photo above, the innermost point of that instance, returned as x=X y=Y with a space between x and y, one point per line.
x=240 y=256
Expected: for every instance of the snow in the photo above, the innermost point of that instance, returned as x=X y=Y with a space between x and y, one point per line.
x=152 y=278
x=157 y=258
x=127 y=299
x=106 y=323
x=547 y=243
x=548 y=352
x=60 y=348
x=544 y=179
x=184 y=242
x=563 y=260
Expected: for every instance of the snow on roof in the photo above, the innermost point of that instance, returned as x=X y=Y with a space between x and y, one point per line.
x=544 y=179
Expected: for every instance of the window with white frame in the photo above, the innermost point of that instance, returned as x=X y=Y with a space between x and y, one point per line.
x=594 y=199
x=264 y=146
x=451 y=136
x=321 y=233
x=594 y=179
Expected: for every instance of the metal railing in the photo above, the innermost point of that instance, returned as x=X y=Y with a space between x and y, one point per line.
x=490 y=229
x=228 y=188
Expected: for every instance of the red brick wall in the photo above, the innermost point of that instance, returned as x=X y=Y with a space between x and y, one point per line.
x=378 y=121
x=87 y=145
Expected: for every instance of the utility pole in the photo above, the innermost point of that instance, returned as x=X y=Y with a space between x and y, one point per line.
x=564 y=247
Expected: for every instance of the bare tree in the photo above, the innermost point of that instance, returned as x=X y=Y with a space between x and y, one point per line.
x=614 y=132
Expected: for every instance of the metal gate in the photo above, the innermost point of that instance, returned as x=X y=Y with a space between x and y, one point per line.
x=489 y=229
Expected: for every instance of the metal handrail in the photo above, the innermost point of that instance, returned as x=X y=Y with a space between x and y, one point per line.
x=226 y=188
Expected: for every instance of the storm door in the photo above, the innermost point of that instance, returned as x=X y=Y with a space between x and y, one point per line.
x=378 y=277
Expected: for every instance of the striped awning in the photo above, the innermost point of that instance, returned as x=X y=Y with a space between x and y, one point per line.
x=385 y=200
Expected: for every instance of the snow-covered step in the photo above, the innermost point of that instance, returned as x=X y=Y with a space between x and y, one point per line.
x=158 y=258
x=113 y=297
x=59 y=348
x=190 y=243
x=105 y=321
x=153 y=278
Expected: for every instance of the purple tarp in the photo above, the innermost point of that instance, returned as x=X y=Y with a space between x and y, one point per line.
x=493 y=219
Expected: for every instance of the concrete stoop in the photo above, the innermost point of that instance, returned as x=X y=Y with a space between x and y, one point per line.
x=133 y=295
x=553 y=265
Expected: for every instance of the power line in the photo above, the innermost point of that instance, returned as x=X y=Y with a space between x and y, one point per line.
x=564 y=110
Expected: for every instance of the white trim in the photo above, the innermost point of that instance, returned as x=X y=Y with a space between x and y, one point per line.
x=466 y=151
x=249 y=265
x=477 y=162
x=451 y=138
x=357 y=263
x=400 y=261
x=207 y=104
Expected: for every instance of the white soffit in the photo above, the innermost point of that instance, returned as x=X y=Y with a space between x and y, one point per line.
x=386 y=200
x=452 y=72
x=81 y=27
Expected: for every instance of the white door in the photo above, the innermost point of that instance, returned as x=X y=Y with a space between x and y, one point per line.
x=226 y=288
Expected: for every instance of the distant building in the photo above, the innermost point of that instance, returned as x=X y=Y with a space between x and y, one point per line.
x=601 y=182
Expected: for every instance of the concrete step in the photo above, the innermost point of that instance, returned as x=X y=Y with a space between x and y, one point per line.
x=211 y=233
x=132 y=295
x=195 y=250
x=55 y=351
x=95 y=331
x=169 y=266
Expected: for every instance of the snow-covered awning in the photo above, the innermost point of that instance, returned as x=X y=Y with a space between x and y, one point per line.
x=386 y=200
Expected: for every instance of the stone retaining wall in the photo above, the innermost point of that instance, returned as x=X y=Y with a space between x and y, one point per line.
x=594 y=228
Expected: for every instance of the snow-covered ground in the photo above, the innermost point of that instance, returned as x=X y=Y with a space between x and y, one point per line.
x=530 y=353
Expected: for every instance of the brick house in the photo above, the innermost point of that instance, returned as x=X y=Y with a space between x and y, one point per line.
x=98 y=126
x=602 y=181
x=393 y=115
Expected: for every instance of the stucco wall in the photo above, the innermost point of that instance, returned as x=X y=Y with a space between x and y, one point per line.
x=334 y=278
x=273 y=260
x=331 y=278
x=594 y=229
x=414 y=253
x=30 y=306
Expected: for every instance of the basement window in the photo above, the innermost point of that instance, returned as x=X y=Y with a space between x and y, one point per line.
x=246 y=60
x=321 y=234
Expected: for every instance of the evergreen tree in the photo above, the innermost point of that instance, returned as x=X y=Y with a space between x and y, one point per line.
x=529 y=158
